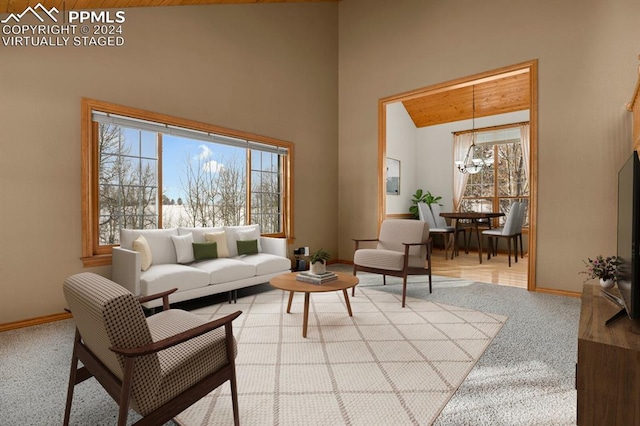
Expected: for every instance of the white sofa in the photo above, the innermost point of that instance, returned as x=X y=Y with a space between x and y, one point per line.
x=167 y=251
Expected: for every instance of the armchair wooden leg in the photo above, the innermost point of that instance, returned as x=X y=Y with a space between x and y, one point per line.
x=234 y=399
x=509 y=249
x=384 y=279
x=353 y=289
x=123 y=412
x=72 y=380
x=404 y=290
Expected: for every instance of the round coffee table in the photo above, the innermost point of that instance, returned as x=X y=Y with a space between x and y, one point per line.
x=288 y=282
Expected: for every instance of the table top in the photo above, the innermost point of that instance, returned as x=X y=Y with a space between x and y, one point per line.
x=289 y=282
x=471 y=215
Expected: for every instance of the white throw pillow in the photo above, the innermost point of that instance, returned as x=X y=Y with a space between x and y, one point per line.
x=221 y=239
x=184 y=248
x=249 y=235
x=141 y=245
x=249 y=232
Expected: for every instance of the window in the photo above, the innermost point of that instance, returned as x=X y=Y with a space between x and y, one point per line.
x=144 y=170
x=504 y=181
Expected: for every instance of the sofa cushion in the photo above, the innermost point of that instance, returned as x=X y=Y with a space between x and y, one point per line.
x=160 y=278
x=184 y=247
x=199 y=232
x=247 y=247
x=266 y=263
x=219 y=238
x=243 y=233
x=162 y=249
x=223 y=270
x=204 y=251
x=141 y=245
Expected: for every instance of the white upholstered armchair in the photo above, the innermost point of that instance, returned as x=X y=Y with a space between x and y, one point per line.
x=403 y=248
x=157 y=366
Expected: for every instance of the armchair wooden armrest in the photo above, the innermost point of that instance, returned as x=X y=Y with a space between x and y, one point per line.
x=176 y=339
x=366 y=240
x=164 y=295
x=428 y=244
x=424 y=243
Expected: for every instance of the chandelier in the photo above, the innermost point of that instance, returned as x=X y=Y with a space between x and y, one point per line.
x=472 y=164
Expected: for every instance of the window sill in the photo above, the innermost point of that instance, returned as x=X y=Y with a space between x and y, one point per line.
x=96 y=260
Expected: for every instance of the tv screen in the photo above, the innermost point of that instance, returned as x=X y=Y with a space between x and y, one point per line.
x=628 y=235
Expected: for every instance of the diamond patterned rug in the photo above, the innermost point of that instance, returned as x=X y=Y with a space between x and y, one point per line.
x=385 y=365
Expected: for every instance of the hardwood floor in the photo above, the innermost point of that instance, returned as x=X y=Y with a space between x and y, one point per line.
x=496 y=270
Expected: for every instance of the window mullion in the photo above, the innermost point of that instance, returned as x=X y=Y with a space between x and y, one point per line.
x=159 y=177
x=248 y=190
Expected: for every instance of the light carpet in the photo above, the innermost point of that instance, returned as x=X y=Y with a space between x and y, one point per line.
x=385 y=365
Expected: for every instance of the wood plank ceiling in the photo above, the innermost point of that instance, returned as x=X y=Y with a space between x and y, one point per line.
x=501 y=94
x=13 y=6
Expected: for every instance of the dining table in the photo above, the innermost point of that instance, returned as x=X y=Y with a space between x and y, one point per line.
x=474 y=218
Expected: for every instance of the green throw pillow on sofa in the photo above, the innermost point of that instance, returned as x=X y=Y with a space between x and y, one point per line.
x=202 y=251
x=247 y=247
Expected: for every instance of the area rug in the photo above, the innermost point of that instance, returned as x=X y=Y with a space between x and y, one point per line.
x=385 y=365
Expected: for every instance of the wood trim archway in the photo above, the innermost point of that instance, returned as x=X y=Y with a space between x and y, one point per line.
x=530 y=67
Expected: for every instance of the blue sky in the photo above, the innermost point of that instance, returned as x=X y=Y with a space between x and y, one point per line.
x=178 y=150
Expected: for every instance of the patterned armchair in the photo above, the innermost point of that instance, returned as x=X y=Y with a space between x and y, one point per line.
x=157 y=366
x=404 y=248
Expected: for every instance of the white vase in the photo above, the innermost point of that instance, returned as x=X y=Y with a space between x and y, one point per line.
x=318 y=268
x=606 y=283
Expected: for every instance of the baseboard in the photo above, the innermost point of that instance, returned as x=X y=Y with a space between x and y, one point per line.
x=340 y=262
x=34 y=321
x=558 y=292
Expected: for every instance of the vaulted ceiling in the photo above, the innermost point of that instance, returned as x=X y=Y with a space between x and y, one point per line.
x=496 y=95
x=12 y=6
x=499 y=94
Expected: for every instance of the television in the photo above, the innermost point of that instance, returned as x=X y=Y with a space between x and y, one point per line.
x=629 y=236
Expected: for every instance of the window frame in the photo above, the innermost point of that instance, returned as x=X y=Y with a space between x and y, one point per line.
x=497 y=198
x=94 y=254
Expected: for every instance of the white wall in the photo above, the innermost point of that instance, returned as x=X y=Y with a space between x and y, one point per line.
x=401 y=145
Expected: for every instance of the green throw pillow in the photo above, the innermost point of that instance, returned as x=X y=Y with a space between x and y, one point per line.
x=202 y=251
x=247 y=247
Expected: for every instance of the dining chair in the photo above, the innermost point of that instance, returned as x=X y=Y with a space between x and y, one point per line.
x=508 y=232
x=403 y=248
x=520 y=222
x=441 y=223
x=425 y=214
x=157 y=366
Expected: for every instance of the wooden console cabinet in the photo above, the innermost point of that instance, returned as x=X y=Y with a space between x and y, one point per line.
x=608 y=370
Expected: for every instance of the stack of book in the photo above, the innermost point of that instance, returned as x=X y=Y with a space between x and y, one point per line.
x=308 y=277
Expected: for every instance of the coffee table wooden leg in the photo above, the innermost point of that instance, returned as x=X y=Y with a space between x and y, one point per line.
x=290 y=300
x=305 y=318
x=346 y=300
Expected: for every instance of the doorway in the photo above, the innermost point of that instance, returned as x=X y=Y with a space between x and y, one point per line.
x=503 y=90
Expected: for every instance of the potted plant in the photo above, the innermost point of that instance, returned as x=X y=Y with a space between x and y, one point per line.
x=318 y=262
x=606 y=269
x=422 y=197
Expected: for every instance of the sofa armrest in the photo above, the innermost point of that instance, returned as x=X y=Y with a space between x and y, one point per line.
x=125 y=269
x=277 y=246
